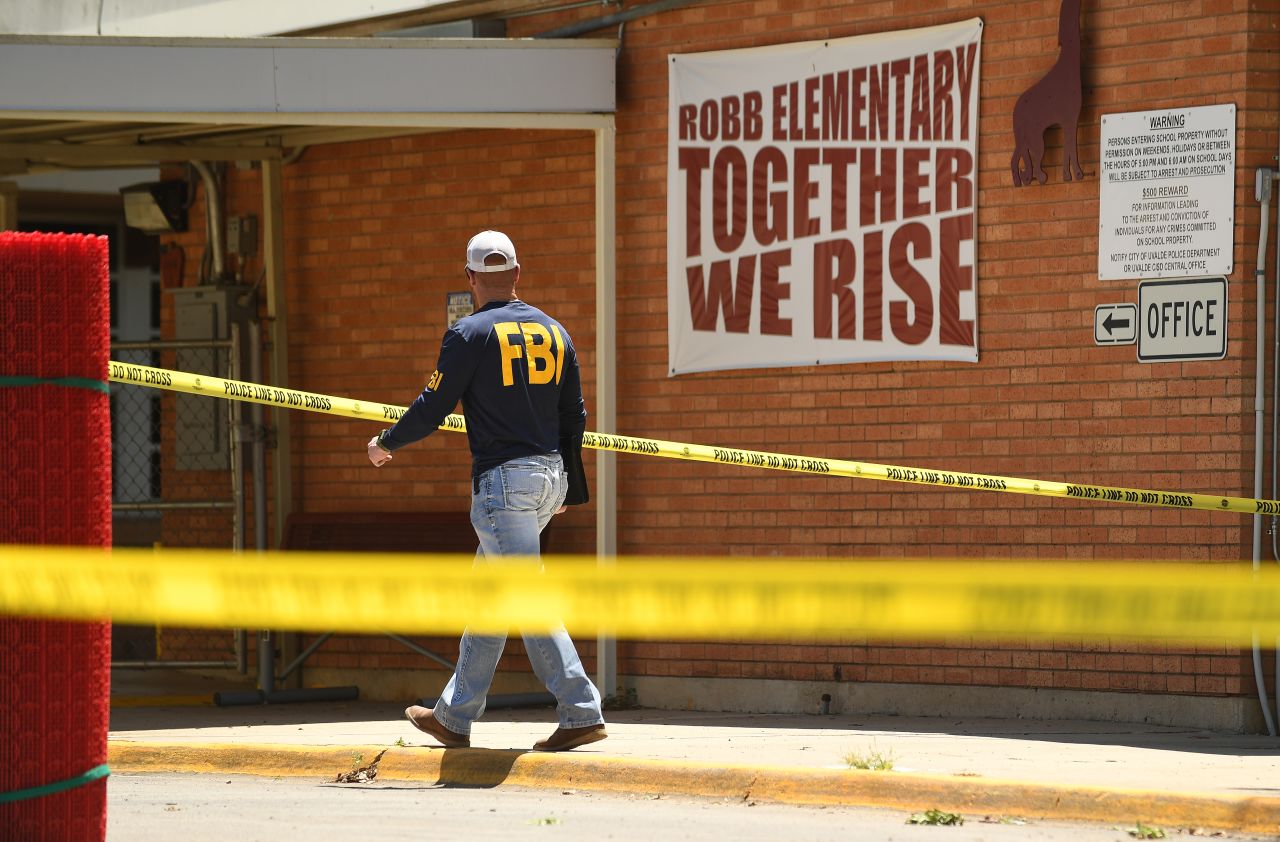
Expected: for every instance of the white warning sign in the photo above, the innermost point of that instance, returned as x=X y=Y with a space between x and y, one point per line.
x=1166 y=200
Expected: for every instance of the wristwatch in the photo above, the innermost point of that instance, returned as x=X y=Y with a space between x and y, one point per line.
x=379 y=443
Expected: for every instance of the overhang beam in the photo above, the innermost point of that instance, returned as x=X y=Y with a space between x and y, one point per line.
x=103 y=154
x=306 y=75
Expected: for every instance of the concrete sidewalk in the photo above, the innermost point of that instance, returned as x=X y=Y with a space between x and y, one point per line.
x=1108 y=772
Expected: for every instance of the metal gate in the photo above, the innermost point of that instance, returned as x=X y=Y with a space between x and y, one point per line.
x=177 y=481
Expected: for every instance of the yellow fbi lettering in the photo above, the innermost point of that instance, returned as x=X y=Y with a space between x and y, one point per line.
x=545 y=355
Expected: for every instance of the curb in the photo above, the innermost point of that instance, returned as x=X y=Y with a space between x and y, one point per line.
x=473 y=767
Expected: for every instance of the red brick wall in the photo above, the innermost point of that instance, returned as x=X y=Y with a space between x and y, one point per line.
x=1043 y=401
x=375 y=232
x=375 y=236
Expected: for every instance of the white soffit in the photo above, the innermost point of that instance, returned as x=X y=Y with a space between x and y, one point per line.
x=305 y=75
x=219 y=18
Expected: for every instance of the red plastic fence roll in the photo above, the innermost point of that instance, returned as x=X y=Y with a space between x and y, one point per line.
x=55 y=468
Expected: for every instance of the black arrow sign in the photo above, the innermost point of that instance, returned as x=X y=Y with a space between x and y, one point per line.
x=1110 y=323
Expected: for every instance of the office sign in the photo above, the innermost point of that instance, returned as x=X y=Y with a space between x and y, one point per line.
x=1182 y=320
x=1167 y=194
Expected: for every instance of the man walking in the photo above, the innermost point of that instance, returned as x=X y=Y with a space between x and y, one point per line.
x=515 y=370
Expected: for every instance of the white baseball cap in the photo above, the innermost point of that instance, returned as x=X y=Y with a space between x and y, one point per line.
x=486 y=244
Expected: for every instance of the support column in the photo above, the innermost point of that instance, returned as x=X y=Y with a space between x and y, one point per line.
x=606 y=409
x=278 y=335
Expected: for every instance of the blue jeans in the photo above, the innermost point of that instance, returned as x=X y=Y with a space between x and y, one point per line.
x=512 y=505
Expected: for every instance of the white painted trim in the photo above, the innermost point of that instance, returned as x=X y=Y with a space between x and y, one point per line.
x=354 y=43
x=303 y=76
x=232 y=18
x=413 y=120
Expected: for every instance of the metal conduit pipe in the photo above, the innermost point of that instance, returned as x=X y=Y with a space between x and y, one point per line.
x=1262 y=193
x=574 y=29
x=259 y=442
x=213 y=218
x=240 y=642
x=258 y=461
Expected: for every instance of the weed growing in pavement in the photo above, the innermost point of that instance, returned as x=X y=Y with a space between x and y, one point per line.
x=1003 y=820
x=874 y=760
x=356 y=757
x=935 y=817
x=400 y=742
x=624 y=699
x=1146 y=831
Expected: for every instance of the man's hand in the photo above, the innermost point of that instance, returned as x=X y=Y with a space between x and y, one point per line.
x=377 y=455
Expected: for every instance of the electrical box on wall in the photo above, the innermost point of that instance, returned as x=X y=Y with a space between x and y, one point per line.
x=242 y=235
x=201 y=425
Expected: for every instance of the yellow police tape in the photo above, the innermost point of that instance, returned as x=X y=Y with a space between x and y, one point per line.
x=646 y=597
x=202 y=384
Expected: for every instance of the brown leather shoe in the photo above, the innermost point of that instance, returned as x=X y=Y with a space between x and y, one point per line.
x=425 y=721
x=567 y=738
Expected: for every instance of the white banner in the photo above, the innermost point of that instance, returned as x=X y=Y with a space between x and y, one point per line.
x=821 y=201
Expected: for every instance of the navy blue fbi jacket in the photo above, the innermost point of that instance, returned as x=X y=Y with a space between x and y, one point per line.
x=516 y=373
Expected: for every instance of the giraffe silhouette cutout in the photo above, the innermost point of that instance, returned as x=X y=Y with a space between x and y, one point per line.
x=1054 y=100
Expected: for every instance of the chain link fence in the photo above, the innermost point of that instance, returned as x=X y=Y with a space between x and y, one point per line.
x=177 y=481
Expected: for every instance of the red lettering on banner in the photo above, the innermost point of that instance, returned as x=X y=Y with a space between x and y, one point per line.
x=913 y=236
x=944 y=75
x=878 y=102
x=773 y=291
x=730 y=106
x=856 y=81
x=693 y=162
x=769 y=208
x=777 y=196
x=914 y=182
x=753 y=119
x=779 y=112
x=707 y=300
x=954 y=180
x=722 y=295
x=953 y=278
x=811 y=131
x=687 y=117
x=805 y=190
x=899 y=68
x=729 y=230
x=921 y=111
x=793 y=92
x=841 y=159
x=835 y=106
x=965 y=58
x=873 y=286
x=835 y=263
x=727 y=118
x=709 y=119
x=882 y=182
